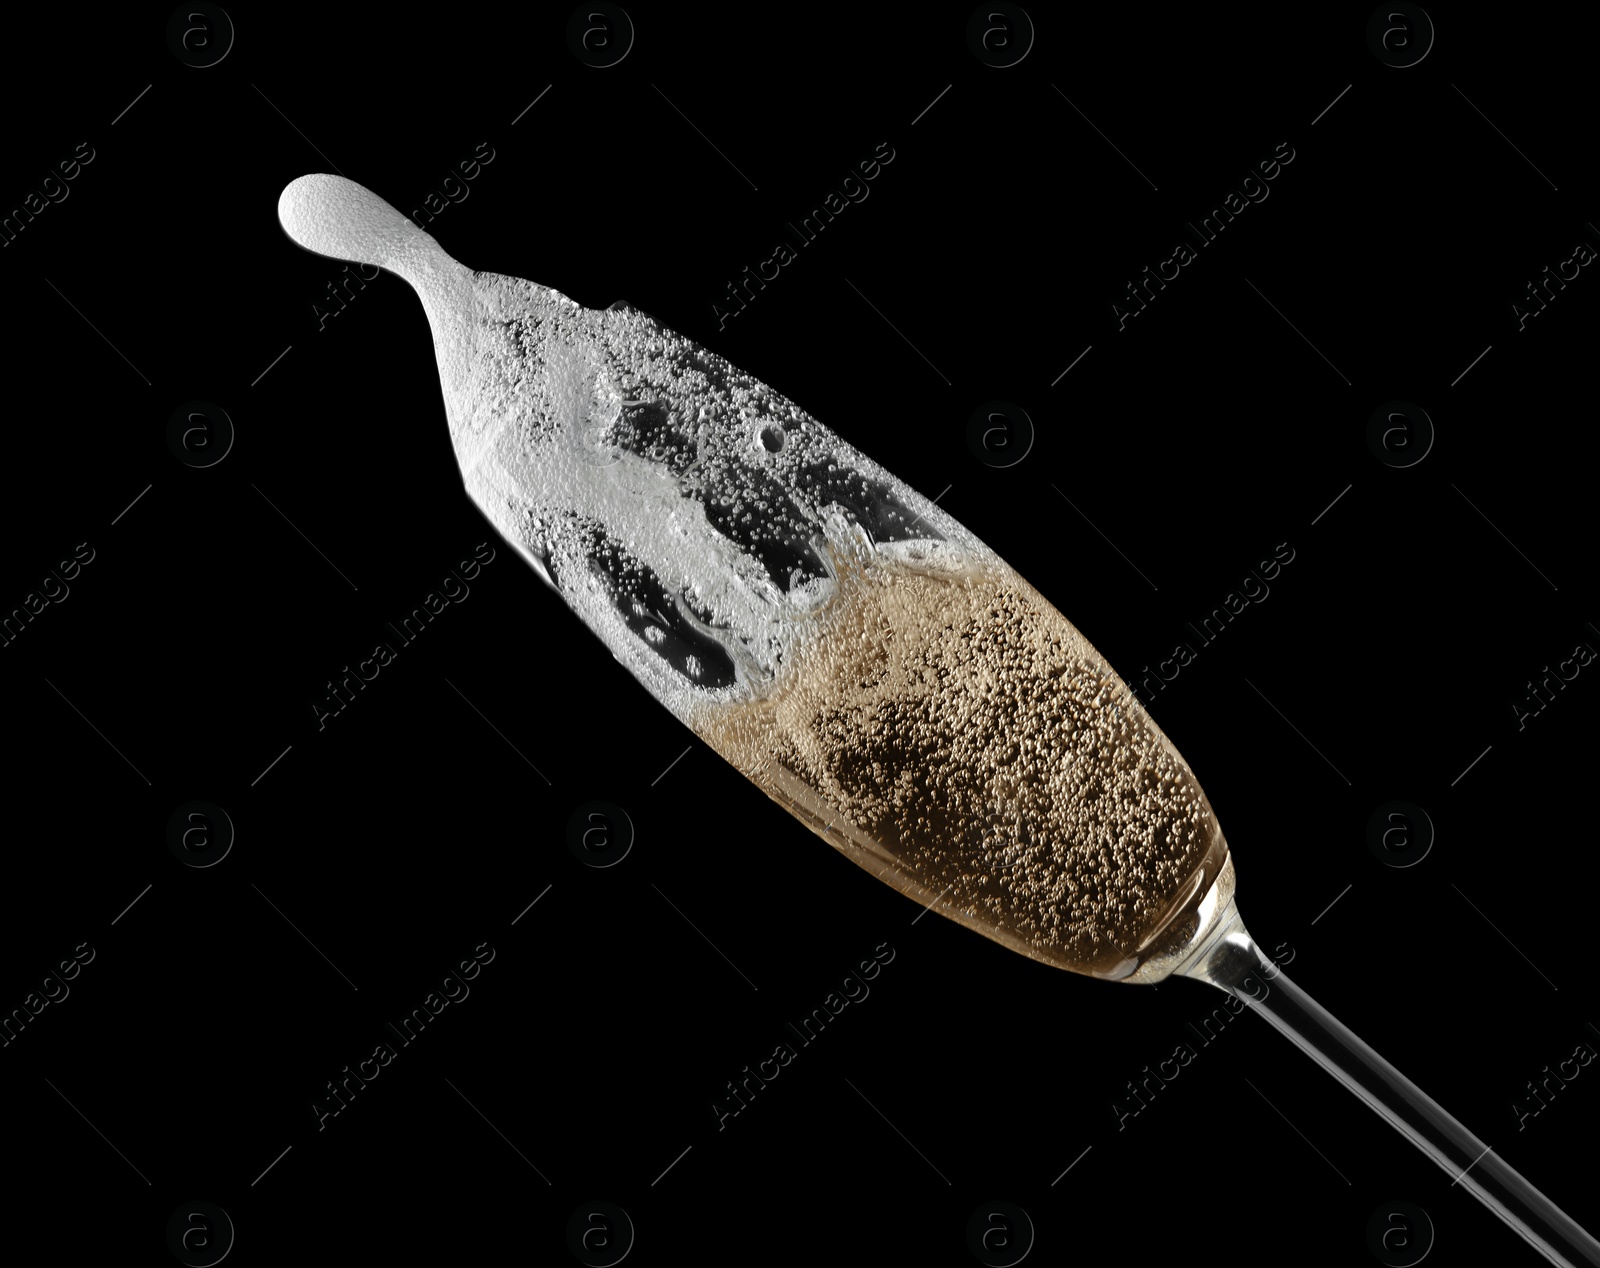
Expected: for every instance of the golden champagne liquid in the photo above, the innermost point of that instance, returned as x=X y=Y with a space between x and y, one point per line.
x=954 y=734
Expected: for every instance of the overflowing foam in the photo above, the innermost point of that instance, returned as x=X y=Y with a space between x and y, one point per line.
x=662 y=488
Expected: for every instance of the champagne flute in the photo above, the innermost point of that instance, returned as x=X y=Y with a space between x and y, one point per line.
x=856 y=652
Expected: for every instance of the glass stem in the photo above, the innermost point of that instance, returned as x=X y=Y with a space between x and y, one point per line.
x=1231 y=961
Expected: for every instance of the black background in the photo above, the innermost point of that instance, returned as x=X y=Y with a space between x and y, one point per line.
x=407 y=831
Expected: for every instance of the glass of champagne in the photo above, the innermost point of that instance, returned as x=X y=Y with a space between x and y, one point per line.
x=855 y=651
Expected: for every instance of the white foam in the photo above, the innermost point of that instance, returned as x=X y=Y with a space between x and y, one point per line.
x=543 y=437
